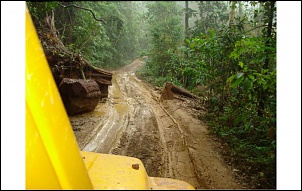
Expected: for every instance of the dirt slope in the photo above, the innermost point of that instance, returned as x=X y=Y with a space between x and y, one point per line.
x=166 y=136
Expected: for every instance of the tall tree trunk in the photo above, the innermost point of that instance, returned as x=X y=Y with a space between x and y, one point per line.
x=240 y=9
x=187 y=18
x=69 y=27
x=269 y=32
x=186 y=36
x=232 y=13
x=258 y=31
x=266 y=61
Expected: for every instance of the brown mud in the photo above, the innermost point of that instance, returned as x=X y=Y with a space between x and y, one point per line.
x=167 y=136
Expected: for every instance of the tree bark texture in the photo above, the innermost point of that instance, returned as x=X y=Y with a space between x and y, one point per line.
x=79 y=95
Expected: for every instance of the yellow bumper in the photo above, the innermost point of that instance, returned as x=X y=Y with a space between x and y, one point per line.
x=120 y=172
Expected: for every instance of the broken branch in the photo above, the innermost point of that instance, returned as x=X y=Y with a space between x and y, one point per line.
x=72 y=5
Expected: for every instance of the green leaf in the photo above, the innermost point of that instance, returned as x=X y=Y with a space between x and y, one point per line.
x=251 y=77
x=245 y=69
x=238 y=81
x=239 y=75
x=231 y=78
x=241 y=64
x=247 y=84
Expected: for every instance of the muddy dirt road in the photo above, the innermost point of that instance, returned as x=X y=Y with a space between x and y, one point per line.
x=166 y=136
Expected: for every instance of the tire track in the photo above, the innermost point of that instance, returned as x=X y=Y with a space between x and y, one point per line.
x=170 y=143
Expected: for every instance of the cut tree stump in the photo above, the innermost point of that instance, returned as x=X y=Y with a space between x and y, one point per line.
x=79 y=95
x=170 y=89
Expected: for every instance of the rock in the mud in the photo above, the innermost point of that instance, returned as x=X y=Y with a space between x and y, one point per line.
x=79 y=95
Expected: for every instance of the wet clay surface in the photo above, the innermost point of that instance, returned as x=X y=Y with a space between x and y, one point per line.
x=166 y=135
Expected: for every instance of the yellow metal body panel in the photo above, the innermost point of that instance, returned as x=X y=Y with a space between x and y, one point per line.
x=115 y=172
x=120 y=172
x=53 y=159
x=51 y=148
x=38 y=164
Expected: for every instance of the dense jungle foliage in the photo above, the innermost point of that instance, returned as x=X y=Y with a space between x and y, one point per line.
x=229 y=59
x=107 y=44
x=227 y=56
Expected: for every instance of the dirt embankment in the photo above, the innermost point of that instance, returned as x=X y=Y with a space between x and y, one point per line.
x=166 y=135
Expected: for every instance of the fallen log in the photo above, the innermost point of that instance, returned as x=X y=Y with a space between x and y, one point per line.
x=79 y=95
x=170 y=89
x=103 y=85
x=102 y=78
